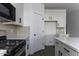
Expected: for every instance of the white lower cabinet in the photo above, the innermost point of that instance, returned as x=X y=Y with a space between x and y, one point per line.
x=64 y=50
x=57 y=48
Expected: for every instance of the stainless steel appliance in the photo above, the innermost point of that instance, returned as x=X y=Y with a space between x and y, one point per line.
x=14 y=47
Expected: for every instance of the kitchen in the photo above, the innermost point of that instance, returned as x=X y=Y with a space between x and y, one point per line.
x=26 y=28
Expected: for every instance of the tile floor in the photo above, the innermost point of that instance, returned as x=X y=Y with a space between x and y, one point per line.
x=48 y=51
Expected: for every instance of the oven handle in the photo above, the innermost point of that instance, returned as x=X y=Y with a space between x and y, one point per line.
x=66 y=50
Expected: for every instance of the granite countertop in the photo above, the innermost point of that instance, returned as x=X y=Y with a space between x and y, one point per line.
x=72 y=42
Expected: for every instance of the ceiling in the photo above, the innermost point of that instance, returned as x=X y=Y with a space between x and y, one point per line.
x=67 y=6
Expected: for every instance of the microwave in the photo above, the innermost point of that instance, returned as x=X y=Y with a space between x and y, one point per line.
x=7 y=12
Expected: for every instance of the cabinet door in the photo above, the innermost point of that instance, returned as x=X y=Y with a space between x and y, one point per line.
x=57 y=48
x=65 y=54
x=56 y=51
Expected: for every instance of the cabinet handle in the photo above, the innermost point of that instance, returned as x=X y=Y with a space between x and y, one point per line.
x=66 y=50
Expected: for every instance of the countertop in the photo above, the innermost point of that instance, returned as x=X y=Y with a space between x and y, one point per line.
x=26 y=38
x=72 y=42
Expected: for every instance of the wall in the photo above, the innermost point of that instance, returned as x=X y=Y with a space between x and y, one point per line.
x=73 y=23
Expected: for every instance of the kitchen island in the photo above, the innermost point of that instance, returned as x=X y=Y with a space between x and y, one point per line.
x=67 y=46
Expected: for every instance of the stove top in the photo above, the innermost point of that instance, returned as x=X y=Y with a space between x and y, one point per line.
x=5 y=44
x=12 y=46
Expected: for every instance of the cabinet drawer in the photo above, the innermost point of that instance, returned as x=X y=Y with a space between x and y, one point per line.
x=68 y=50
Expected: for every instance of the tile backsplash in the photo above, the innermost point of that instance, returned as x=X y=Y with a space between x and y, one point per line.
x=9 y=31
